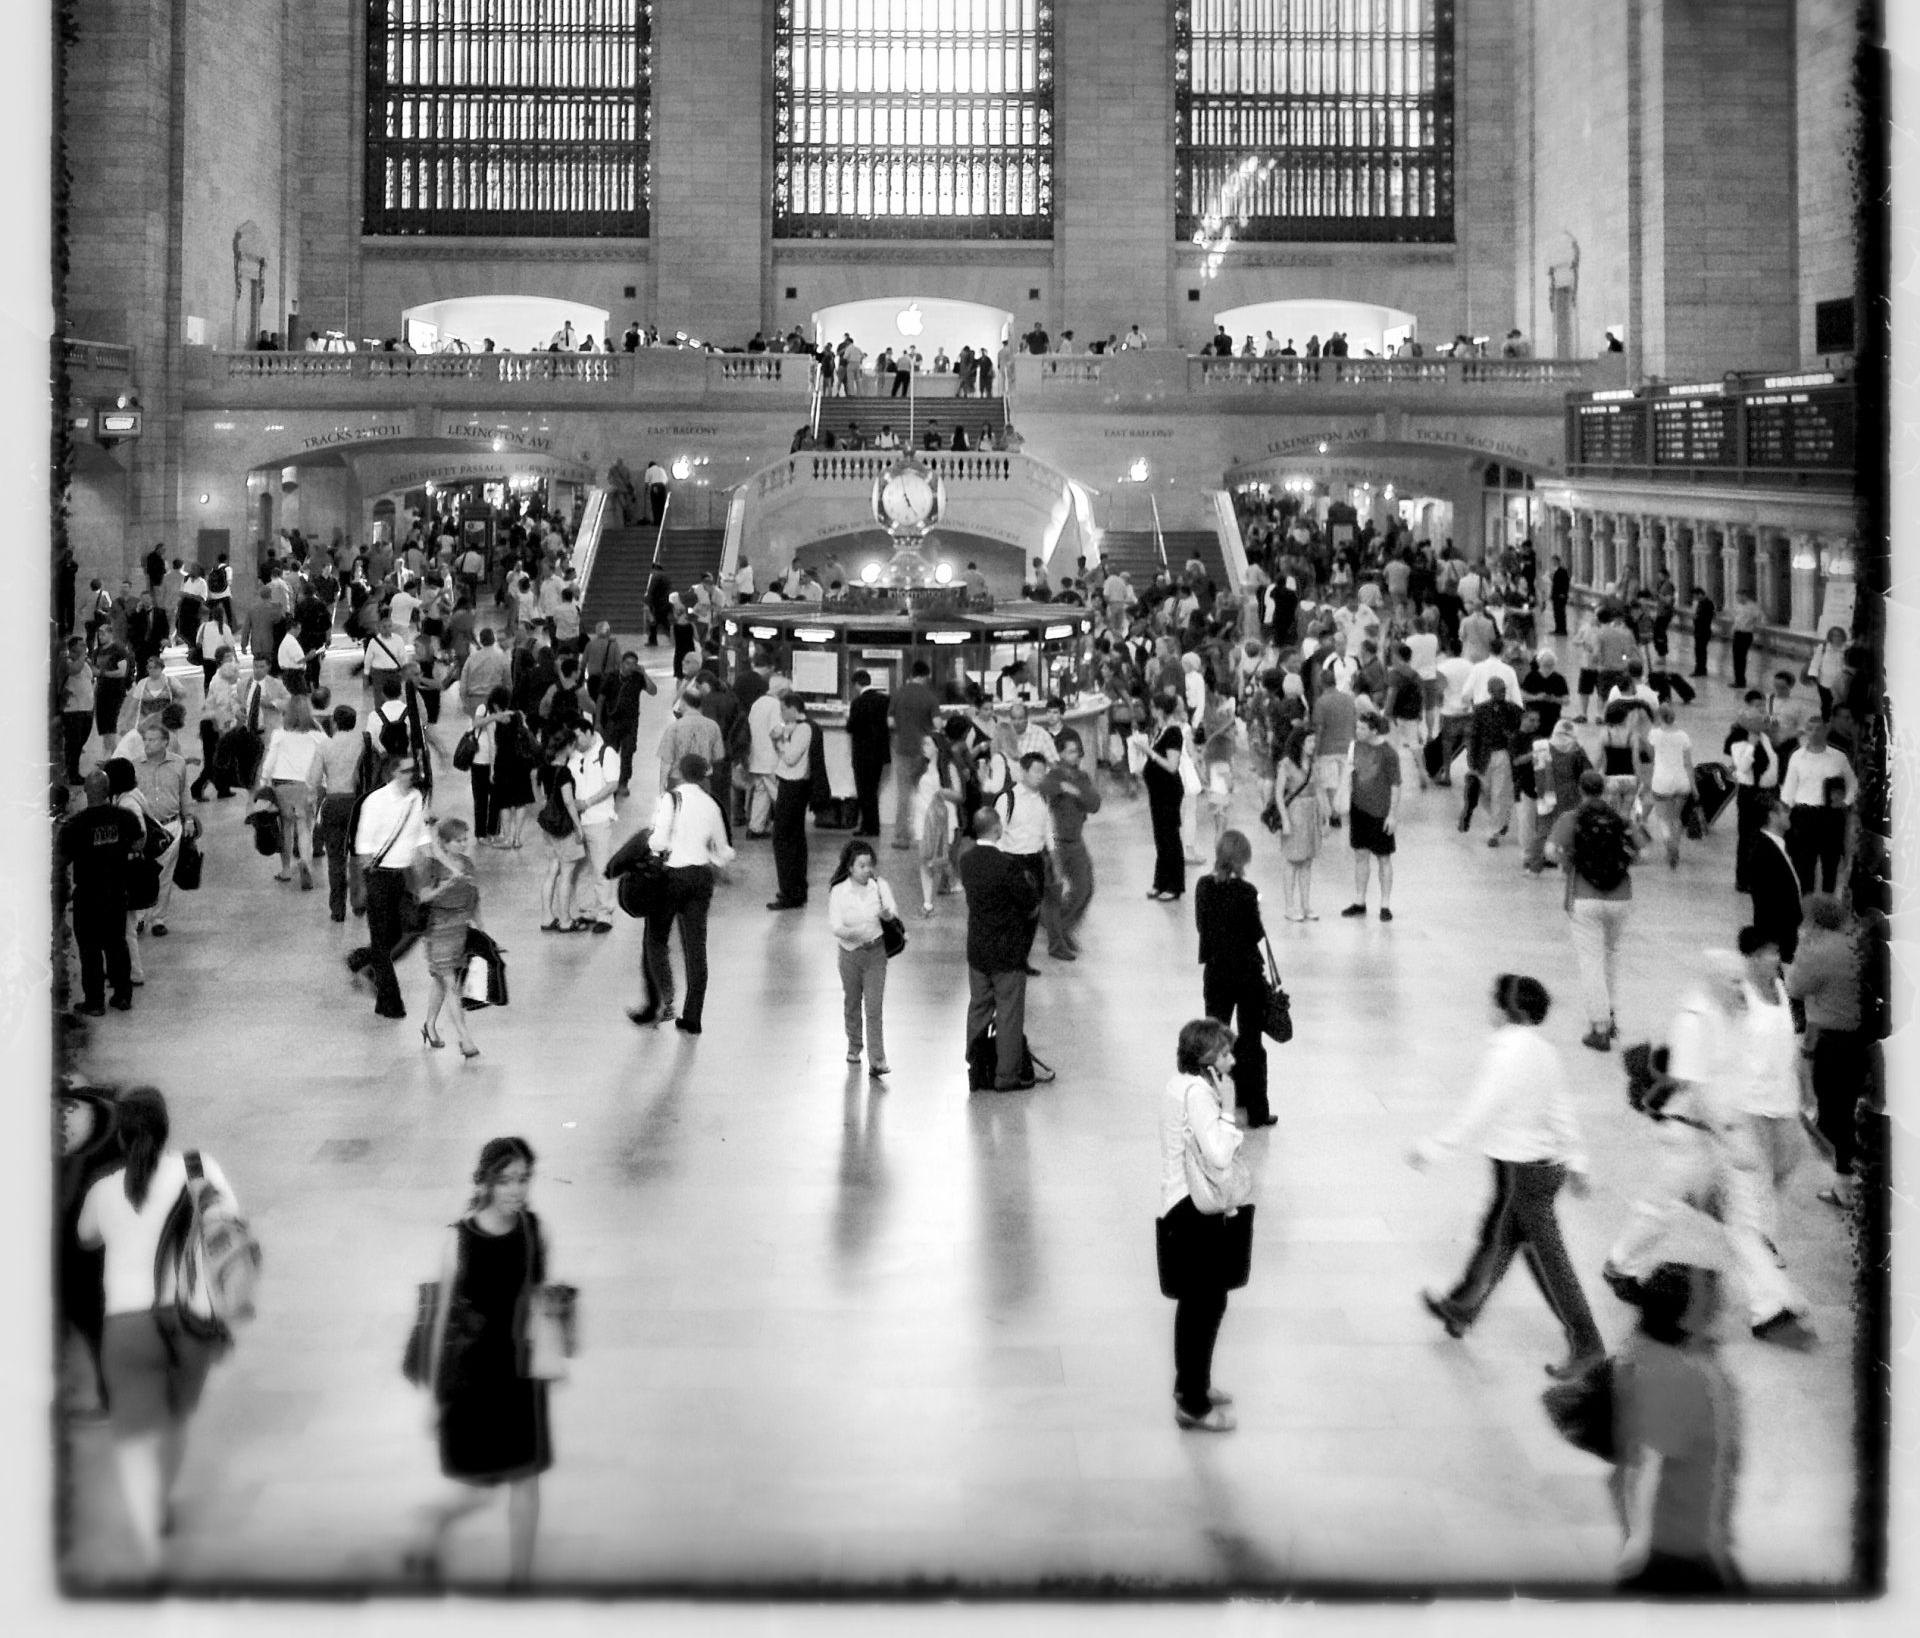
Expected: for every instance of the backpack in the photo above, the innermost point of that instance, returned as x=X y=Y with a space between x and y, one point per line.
x=1601 y=849
x=207 y=1264
x=216 y=581
x=983 y=1061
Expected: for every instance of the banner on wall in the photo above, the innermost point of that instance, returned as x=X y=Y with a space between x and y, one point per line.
x=395 y=474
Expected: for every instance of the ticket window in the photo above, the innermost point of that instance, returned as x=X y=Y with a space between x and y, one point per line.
x=816 y=672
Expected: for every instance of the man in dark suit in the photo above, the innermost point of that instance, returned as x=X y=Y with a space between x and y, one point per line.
x=872 y=742
x=1003 y=905
x=1774 y=885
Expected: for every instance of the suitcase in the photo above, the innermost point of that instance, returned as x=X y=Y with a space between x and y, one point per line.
x=1714 y=786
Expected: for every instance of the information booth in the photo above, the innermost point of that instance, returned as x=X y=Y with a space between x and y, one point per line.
x=821 y=646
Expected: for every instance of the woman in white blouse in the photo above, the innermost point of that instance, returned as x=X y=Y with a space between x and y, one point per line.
x=154 y=1370
x=857 y=899
x=1670 y=779
x=1198 y=1100
x=292 y=765
x=1521 y=1118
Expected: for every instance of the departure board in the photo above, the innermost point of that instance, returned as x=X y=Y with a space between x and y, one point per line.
x=1693 y=432
x=1609 y=435
x=1800 y=431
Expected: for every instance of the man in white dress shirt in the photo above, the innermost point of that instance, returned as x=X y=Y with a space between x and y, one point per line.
x=393 y=828
x=689 y=831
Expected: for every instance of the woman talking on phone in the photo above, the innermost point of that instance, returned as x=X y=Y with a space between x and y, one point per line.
x=1199 y=1148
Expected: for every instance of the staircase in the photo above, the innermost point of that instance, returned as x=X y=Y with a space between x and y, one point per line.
x=1130 y=552
x=617 y=593
x=1203 y=544
x=866 y=415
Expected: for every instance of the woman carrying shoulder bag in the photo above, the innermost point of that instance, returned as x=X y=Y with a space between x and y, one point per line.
x=1226 y=911
x=1205 y=1221
x=154 y=1369
x=566 y=851
x=487 y=1407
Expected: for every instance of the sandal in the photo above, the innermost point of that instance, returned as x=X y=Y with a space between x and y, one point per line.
x=580 y=925
x=552 y=927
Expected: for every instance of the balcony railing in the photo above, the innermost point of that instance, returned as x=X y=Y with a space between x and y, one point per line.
x=864 y=466
x=669 y=370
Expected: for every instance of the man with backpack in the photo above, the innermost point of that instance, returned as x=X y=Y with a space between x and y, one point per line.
x=1596 y=849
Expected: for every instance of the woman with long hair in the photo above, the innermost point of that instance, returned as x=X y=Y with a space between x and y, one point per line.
x=1167 y=739
x=1233 y=974
x=292 y=765
x=1669 y=779
x=1300 y=823
x=490 y=1416
x=1193 y=1113
x=452 y=900
x=154 y=1369
x=511 y=792
x=857 y=899
x=567 y=851
x=936 y=799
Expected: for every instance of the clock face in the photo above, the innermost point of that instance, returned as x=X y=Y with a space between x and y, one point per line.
x=907 y=497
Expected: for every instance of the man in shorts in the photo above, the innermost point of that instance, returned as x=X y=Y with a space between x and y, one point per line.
x=1374 y=811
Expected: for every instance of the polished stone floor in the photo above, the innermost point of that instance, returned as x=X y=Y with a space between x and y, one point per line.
x=840 y=1335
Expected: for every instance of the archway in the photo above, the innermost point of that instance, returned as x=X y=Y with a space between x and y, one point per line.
x=515 y=324
x=1368 y=328
x=934 y=324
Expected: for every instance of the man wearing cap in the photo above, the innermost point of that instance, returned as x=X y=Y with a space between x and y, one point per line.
x=1071 y=795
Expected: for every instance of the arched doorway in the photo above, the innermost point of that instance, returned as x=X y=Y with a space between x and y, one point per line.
x=1368 y=328
x=514 y=324
x=934 y=324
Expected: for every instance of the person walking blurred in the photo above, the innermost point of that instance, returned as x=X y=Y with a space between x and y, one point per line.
x=1521 y=1117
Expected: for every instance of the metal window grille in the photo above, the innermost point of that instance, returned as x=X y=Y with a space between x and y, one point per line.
x=515 y=117
x=1313 y=119
x=913 y=119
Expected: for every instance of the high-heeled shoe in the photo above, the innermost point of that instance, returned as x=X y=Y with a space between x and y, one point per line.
x=467 y=1050
x=427 y=1036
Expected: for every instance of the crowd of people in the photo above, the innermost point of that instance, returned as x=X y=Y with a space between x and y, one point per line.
x=1352 y=671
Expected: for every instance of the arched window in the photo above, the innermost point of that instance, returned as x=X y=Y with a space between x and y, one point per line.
x=913 y=119
x=1313 y=119
x=522 y=117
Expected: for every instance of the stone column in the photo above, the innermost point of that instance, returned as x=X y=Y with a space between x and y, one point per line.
x=1680 y=559
x=1701 y=536
x=1768 y=545
x=1805 y=570
x=1648 y=559
x=1731 y=547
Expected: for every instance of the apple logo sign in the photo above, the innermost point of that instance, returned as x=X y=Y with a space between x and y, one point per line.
x=910 y=320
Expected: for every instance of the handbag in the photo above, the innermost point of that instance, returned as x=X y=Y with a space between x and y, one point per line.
x=462 y=1326
x=553 y=817
x=893 y=935
x=641 y=872
x=466 y=750
x=143 y=882
x=484 y=981
x=187 y=866
x=1190 y=782
x=1276 y=1016
x=1223 y=1245
x=548 y=1318
x=1581 y=1411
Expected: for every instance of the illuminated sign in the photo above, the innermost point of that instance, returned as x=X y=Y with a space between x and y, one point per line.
x=813 y=634
x=1613 y=395
x=117 y=423
x=764 y=633
x=947 y=636
x=1057 y=631
x=1816 y=378
x=1700 y=387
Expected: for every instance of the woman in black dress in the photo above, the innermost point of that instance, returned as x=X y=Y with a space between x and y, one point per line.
x=1167 y=738
x=510 y=794
x=491 y=1418
x=1226 y=907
